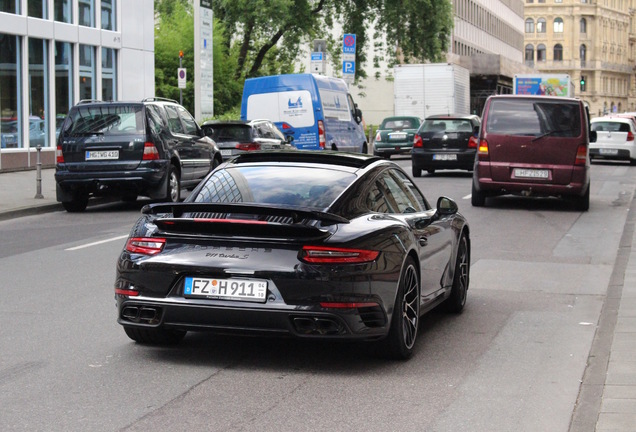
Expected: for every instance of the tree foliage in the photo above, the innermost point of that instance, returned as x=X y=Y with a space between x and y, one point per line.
x=265 y=37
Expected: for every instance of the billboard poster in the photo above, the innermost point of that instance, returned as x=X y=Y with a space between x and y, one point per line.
x=544 y=86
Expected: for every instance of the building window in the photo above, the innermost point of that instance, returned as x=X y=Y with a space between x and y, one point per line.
x=37 y=8
x=108 y=15
x=109 y=74
x=38 y=92
x=541 y=52
x=583 y=23
x=10 y=6
x=10 y=107
x=87 y=71
x=541 y=25
x=558 y=1
x=558 y=25
x=558 y=52
x=529 y=57
x=63 y=11
x=529 y=25
x=86 y=13
x=63 y=82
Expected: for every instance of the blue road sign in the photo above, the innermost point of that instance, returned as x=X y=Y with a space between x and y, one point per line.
x=349 y=43
x=348 y=67
x=316 y=56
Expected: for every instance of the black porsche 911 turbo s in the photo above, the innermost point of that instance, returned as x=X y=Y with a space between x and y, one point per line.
x=300 y=243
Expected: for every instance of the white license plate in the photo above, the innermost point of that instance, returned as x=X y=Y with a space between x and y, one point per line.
x=531 y=173
x=102 y=154
x=445 y=157
x=226 y=152
x=397 y=136
x=610 y=152
x=226 y=289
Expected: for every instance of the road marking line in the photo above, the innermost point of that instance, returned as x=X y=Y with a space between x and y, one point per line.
x=469 y=196
x=97 y=243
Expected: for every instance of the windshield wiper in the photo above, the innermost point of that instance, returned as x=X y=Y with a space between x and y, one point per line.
x=538 y=137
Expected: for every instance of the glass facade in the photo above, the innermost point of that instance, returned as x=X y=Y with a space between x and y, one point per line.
x=63 y=82
x=63 y=11
x=38 y=92
x=86 y=13
x=37 y=8
x=109 y=63
x=87 y=71
x=10 y=117
x=10 y=6
x=108 y=15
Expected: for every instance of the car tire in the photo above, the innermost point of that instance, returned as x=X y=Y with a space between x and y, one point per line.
x=582 y=203
x=155 y=336
x=457 y=300
x=399 y=343
x=477 y=198
x=417 y=172
x=173 y=192
x=78 y=205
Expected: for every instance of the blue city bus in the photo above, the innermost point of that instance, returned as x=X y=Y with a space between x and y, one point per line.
x=316 y=111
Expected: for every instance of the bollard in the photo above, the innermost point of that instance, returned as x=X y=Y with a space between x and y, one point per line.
x=38 y=179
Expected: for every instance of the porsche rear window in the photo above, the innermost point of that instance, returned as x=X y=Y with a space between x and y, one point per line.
x=275 y=184
x=534 y=117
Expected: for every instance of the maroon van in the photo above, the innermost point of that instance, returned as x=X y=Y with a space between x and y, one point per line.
x=533 y=145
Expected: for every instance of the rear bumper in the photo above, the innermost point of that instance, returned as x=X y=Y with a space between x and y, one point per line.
x=425 y=159
x=621 y=154
x=278 y=321
x=383 y=148
x=147 y=180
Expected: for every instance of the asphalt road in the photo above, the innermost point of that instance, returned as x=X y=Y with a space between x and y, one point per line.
x=514 y=360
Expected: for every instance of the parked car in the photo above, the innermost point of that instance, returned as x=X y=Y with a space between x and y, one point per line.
x=445 y=142
x=152 y=148
x=395 y=136
x=234 y=137
x=295 y=243
x=532 y=145
x=614 y=139
x=9 y=134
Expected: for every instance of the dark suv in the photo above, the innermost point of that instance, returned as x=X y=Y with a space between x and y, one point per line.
x=236 y=136
x=152 y=148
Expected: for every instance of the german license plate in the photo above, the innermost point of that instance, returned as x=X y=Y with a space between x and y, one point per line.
x=531 y=173
x=226 y=152
x=445 y=157
x=609 y=152
x=397 y=136
x=102 y=154
x=226 y=289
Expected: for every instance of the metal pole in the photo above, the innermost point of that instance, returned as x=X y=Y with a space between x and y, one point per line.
x=38 y=179
x=180 y=89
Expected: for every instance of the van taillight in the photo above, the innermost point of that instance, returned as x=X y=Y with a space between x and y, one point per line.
x=150 y=152
x=630 y=136
x=581 y=155
x=59 y=156
x=322 y=139
x=483 y=148
x=473 y=142
x=417 y=142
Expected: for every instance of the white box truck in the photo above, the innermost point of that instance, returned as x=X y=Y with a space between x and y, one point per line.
x=423 y=90
x=544 y=85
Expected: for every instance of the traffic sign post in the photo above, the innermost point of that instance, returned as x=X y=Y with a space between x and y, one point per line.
x=349 y=57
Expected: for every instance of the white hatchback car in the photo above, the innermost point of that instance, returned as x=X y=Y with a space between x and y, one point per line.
x=614 y=139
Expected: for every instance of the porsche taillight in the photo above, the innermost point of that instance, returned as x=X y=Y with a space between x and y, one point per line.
x=145 y=245
x=59 y=156
x=336 y=255
x=150 y=152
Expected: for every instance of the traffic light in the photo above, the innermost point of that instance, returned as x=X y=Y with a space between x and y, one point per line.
x=582 y=83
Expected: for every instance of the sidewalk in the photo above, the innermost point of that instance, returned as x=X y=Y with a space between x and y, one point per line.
x=607 y=399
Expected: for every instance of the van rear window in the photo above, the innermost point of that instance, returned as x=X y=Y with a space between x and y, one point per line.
x=534 y=117
x=105 y=120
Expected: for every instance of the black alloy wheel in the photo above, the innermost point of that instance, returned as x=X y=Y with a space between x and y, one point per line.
x=457 y=300
x=406 y=315
x=173 y=194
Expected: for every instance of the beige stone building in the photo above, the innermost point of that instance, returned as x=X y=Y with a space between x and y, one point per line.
x=591 y=40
